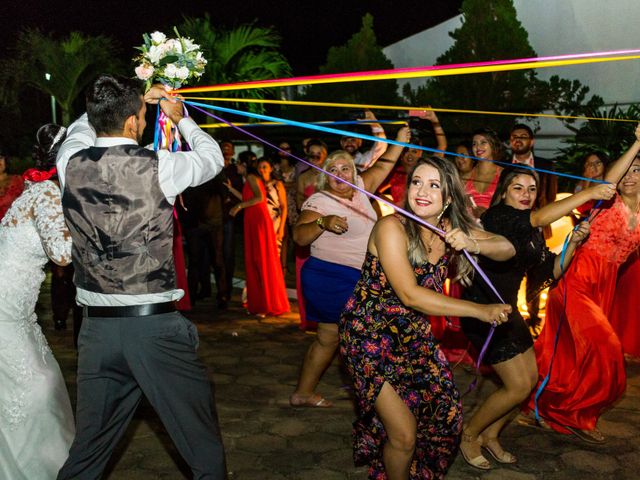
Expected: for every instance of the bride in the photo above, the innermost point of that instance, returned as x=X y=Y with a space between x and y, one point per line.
x=36 y=421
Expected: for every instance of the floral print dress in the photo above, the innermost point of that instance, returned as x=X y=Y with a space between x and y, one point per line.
x=381 y=340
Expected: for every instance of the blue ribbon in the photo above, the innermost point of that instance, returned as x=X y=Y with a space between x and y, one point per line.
x=355 y=187
x=336 y=131
x=156 y=131
x=592 y=214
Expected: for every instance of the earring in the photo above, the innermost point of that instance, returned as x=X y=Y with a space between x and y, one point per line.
x=444 y=209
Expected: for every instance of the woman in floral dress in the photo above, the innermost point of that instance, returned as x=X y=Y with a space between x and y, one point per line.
x=409 y=412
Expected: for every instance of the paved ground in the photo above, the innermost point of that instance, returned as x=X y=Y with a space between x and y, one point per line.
x=254 y=364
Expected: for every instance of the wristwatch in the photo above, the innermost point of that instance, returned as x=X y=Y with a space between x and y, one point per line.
x=320 y=222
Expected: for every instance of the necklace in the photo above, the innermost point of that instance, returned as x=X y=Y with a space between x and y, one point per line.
x=429 y=248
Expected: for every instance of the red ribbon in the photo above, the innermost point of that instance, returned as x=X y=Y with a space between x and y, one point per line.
x=35 y=175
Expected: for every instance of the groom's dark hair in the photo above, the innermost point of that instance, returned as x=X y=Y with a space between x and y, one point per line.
x=111 y=100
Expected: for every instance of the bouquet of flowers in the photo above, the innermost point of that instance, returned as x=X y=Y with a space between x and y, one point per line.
x=174 y=62
x=171 y=61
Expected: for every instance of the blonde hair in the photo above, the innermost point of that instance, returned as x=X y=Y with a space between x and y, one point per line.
x=321 y=183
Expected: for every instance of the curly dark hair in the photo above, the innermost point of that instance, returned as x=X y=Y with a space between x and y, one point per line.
x=48 y=140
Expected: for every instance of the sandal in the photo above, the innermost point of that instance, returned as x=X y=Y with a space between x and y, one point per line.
x=479 y=462
x=499 y=454
x=589 y=436
x=312 y=401
x=529 y=420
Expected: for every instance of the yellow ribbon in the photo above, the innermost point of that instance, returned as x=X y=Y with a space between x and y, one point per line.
x=401 y=108
x=355 y=77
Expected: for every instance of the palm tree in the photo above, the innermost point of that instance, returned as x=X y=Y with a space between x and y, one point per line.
x=242 y=54
x=59 y=68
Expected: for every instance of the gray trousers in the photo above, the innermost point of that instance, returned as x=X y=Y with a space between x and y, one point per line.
x=119 y=360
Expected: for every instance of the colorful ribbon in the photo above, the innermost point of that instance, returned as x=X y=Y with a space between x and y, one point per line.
x=325 y=122
x=336 y=131
x=405 y=108
x=428 y=71
x=398 y=209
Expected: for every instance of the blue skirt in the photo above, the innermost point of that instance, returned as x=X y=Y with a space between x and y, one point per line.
x=326 y=288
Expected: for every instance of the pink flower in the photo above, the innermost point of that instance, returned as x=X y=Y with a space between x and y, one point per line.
x=144 y=71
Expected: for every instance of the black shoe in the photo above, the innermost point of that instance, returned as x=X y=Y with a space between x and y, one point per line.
x=222 y=305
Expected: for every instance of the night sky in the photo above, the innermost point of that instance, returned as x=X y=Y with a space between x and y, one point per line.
x=308 y=28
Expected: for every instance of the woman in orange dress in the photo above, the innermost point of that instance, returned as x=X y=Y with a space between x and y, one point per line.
x=625 y=317
x=266 y=291
x=588 y=373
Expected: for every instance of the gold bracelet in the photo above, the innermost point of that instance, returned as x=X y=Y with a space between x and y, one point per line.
x=477 y=252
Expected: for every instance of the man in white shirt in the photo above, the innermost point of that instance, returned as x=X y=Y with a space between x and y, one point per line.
x=118 y=203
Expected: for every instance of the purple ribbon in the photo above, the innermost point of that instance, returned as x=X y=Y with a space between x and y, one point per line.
x=386 y=202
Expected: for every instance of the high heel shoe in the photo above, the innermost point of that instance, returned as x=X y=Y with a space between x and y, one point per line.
x=479 y=462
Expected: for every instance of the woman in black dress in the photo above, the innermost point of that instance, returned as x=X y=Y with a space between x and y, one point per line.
x=510 y=352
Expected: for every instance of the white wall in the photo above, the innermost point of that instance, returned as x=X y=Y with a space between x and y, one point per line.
x=555 y=27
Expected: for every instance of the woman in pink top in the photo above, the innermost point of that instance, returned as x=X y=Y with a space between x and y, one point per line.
x=483 y=180
x=336 y=222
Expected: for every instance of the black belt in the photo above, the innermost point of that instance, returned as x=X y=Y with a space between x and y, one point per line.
x=131 y=310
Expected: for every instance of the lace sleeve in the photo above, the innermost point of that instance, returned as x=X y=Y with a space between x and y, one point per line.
x=50 y=225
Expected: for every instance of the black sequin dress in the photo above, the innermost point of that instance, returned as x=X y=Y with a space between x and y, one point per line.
x=532 y=258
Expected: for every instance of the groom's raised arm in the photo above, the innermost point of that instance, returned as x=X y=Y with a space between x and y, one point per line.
x=179 y=170
x=80 y=135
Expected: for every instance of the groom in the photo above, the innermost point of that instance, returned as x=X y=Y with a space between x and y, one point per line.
x=118 y=203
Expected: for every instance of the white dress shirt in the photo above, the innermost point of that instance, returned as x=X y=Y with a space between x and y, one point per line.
x=176 y=172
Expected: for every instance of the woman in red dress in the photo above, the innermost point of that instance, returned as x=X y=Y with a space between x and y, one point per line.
x=588 y=373
x=266 y=291
x=11 y=186
x=625 y=317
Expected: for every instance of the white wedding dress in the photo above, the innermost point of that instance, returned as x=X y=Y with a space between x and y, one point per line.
x=36 y=421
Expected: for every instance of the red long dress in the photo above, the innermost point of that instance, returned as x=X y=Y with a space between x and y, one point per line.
x=184 y=304
x=588 y=372
x=625 y=316
x=266 y=291
x=11 y=192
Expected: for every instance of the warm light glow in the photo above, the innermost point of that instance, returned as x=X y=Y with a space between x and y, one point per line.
x=384 y=208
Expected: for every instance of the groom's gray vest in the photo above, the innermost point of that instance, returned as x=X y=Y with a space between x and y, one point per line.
x=121 y=223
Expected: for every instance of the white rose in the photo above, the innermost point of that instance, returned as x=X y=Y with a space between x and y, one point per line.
x=158 y=37
x=172 y=45
x=182 y=73
x=155 y=54
x=170 y=70
x=189 y=45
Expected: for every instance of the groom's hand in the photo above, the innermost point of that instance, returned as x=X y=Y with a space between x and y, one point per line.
x=173 y=109
x=158 y=91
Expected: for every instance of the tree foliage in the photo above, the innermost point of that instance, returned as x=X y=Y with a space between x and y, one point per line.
x=242 y=54
x=72 y=63
x=607 y=136
x=490 y=30
x=360 y=53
